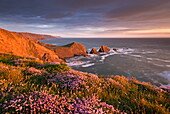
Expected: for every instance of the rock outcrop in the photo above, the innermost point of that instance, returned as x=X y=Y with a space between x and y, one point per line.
x=104 y=49
x=94 y=51
x=33 y=36
x=11 y=42
x=46 y=57
x=115 y=49
x=67 y=51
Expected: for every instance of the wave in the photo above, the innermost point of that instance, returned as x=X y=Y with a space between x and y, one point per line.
x=88 y=65
x=158 y=65
x=165 y=74
x=113 y=52
x=136 y=55
x=167 y=65
x=157 y=59
x=54 y=44
x=147 y=52
x=77 y=63
x=107 y=55
x=93 y=55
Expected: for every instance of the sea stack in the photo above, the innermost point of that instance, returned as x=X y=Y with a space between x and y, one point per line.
x=115 y=49
x=94 y=51
x=104 y=49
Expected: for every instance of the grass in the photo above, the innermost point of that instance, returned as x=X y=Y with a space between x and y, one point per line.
x=55 y=68
x=31 y=86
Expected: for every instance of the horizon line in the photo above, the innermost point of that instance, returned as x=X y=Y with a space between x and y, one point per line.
x=116 y=37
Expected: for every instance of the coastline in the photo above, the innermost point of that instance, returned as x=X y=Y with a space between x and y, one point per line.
x=150 y=58
x=41 y=84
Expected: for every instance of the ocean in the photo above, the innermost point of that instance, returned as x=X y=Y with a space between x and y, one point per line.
x=146 y=59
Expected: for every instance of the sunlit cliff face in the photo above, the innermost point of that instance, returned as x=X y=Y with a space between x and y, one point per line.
x=88 y=18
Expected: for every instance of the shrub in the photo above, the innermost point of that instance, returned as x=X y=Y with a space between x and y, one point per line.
x=56 y=68
x=39 y=80
x=14 y=75
x=6 y=58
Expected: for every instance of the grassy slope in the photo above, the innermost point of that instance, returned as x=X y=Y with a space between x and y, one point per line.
x=29 y=85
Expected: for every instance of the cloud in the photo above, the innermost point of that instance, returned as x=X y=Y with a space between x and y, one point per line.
x=51 y=9
x=90 y=17
x=140 y=9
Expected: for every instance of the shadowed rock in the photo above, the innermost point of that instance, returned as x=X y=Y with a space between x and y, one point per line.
x=104 y=49
x=94 y=51
x=46 y=57
x=115 y=49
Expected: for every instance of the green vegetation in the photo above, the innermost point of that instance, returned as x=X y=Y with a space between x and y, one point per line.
x=7 y=58
x=19 y=61
x=68 y=45
x=31 y=86
x=55 y=68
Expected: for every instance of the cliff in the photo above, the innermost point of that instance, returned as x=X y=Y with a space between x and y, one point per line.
x=11 y=42
x=67 y=51
x=32 y=36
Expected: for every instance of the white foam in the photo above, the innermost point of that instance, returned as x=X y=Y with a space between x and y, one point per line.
x=88 y=65
x=136 y=55
x=157 y=59
x=168 y=61
x=167 y=65
x=77 y=58
x=76 y=63
x=158 y=65
x=149 y=58
x=165 y=74
x=104 y=56
x=165 y=85
x=54 y=44
x=120 y=51
x=147 y=52
x=93 y=55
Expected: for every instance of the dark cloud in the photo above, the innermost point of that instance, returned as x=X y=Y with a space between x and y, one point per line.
x=140 y=9
x=46 y=8
x=64 y=15
x=54 y=9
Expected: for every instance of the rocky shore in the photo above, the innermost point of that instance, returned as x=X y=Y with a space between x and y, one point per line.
x=103 y=49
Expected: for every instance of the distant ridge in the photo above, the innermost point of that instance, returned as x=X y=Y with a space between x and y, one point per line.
x=33 y=36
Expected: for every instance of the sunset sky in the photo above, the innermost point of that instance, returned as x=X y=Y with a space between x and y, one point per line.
x=87 y=18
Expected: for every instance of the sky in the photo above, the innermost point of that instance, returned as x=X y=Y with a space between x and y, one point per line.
x=87 y=18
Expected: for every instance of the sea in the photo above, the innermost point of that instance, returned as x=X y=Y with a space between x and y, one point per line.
x=146 y=59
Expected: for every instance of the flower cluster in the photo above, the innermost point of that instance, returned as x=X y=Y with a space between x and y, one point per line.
x=73 y=80
x=33 y=71
x=69 y=81
x=41 y=102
